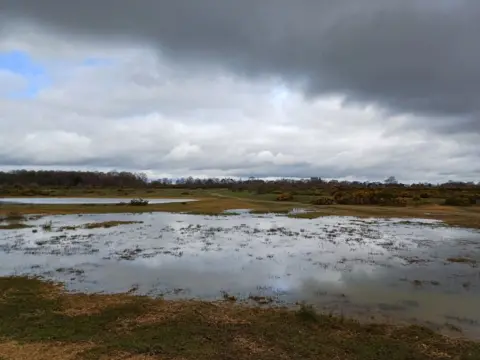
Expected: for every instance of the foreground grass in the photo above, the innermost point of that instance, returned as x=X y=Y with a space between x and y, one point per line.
x=38 y=320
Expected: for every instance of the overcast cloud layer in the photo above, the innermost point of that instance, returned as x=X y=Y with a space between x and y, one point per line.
x=361 y=89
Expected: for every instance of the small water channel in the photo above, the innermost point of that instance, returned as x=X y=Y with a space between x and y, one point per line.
x=393 y=268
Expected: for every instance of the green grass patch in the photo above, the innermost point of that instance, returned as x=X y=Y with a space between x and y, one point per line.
x=109 y=224
x=32 y=311
x=462 y=260
x=100 y=225
x=13 y=226
x=307 y=215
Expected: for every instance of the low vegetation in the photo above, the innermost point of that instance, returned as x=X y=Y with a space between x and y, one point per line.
x=462 y=260
x=138 y=202
x=38 y=320
x=47 y=226
x=13 y=216
x=109 y=224
x=13 y=226
x=13 y=220
x=285 y=197
x=99 y=225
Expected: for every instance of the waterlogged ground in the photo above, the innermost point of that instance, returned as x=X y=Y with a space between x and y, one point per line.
x=416 y=270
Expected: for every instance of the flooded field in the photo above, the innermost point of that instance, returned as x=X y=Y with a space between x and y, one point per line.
x=81 y=200
x=413 y=271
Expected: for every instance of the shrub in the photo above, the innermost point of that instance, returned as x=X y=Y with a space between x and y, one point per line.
x=399 y=202
x=285 y=197
x=323 y=201
x=457 y=201
x=138 y=202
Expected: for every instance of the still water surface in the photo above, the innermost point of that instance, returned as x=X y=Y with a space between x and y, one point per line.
x=392 y=268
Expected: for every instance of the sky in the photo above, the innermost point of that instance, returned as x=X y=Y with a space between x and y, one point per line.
x=352 y=89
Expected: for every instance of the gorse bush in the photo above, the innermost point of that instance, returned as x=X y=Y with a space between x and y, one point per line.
x=285 y=197
x=323 y=201
x=369 y=197
x=458 y=201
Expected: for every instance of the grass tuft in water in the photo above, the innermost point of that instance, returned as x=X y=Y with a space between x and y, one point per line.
x=462 y=260
x=13 y=226
x=47 y=226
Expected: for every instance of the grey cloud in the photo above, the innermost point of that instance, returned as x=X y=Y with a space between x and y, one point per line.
x=171 y=118
x=406 y=56
x=11 y=83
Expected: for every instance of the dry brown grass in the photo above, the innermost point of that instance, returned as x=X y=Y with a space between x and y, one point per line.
x=454 y=216
x=128 y=356
x=13 y=350
x=159 y=312
x=82 y=304
x=256 y=347
x=215 y=313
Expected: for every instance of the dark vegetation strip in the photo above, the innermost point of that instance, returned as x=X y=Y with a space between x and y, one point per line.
x=33 y=312
x=99 y=225
x=13 y=226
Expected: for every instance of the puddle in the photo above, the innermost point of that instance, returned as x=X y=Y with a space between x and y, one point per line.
x=71 y=201
x=298 y=211
x=237 y=211
x=393 y=268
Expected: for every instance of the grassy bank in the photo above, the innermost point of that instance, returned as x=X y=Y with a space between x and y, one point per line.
x=455 y=216
x=38 y=320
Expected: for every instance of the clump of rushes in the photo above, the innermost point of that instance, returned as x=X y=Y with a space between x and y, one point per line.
x=47 y=226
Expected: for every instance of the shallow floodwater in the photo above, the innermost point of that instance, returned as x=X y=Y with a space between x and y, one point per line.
x=71 y=200
x=392 y=269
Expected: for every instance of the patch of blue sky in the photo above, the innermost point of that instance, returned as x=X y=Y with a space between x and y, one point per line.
x=21 y=63
x=35 y=73
x=97 y=61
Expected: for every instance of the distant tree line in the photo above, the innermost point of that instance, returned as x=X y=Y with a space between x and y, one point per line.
x=45 y=178
x=52 y=178
x=318 y=191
